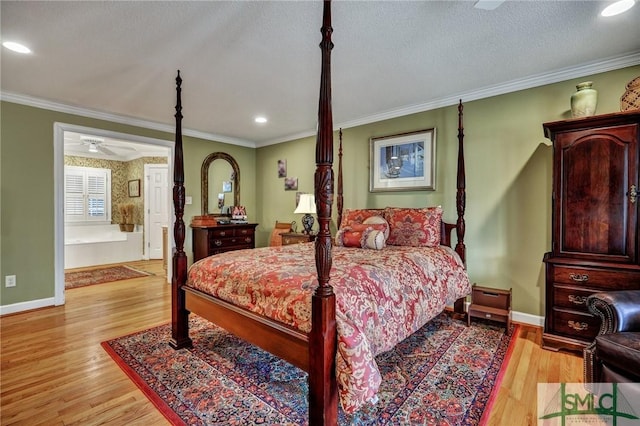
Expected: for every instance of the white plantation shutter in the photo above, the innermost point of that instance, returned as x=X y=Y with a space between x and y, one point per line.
x=87 y=194
x=73 y=195
x=96 y=195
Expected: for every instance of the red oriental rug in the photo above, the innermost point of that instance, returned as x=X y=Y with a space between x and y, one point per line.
x=443 y=374
x=102 y=275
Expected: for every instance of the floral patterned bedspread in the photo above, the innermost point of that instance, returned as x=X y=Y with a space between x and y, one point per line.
x=382 y=297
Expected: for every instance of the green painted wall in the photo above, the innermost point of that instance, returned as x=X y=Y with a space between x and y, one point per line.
x=27 y=191
x=508 y=170
x=508 y=164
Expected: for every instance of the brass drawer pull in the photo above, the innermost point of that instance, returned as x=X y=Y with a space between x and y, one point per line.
x=578 y=300
x=578 y=326
x=223 y=233
x=633 y=194
x=244 y=231
x=579 y=278
x=218 y=243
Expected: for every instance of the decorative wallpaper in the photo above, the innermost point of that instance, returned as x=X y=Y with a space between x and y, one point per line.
x=121 y=173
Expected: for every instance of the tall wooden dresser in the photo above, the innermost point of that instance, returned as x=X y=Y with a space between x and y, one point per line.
x=595 y=241
x=210 y=240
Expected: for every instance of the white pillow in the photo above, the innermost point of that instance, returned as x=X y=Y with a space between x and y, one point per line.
x=376 y=220
x=375 y=240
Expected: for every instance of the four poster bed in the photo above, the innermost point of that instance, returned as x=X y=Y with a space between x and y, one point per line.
x=328 y=310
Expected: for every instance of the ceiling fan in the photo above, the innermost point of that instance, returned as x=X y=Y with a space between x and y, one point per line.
x=96 y=145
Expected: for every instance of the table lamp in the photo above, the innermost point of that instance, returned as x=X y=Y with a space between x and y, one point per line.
x=306 y=206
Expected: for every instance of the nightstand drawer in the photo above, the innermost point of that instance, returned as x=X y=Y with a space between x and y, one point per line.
x=294 y=238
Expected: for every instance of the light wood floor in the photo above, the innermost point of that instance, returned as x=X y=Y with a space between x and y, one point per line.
x=54 y=371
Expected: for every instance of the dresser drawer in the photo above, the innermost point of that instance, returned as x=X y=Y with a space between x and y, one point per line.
x=596 y=278
x=209 y=240
x=221 y=232
x=230 y=248
x=571 y=297
x=577 y=325
x=217 y=243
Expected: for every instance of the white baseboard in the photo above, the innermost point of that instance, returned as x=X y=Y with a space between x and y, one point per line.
x=527 y=318
x=26 y=306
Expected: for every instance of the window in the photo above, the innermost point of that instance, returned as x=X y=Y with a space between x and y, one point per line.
x=87 y=194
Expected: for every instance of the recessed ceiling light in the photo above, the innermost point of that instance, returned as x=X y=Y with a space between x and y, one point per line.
x=617 y=7
x=260 y=120
x=16 y=47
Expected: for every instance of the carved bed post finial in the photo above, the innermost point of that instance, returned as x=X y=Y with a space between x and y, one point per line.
x=461 y=191
x=179 y=315
x=323 y=392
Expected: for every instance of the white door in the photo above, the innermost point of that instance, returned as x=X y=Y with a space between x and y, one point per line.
x=157 y=207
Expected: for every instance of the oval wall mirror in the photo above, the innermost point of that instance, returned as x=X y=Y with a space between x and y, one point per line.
x=220 y=178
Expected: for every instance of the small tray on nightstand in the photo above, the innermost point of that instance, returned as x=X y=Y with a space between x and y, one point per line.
x=490 y=303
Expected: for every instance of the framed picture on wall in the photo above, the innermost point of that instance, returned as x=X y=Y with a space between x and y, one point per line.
x=282 y=168
x=134 y=188
x=403 y=162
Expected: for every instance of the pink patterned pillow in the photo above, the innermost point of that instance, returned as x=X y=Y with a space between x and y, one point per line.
x=367 y=238
x=383 y=227
x=350 y=216
x=347 y=237
x=414 y=227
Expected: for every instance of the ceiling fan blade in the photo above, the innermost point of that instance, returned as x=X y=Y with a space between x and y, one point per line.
x=123 y=147
x=105 y=150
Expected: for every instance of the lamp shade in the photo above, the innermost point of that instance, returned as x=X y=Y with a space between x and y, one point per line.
x=307 y=204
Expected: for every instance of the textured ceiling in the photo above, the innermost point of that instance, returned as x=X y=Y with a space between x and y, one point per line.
x=241 y=59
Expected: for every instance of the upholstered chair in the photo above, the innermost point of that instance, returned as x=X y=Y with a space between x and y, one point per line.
x=614 y=355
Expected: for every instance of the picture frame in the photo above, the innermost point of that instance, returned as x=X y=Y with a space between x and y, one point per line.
x=403 y=162
x=291 y=184
x=282 y=168
x=134 y=188
x=227 y=186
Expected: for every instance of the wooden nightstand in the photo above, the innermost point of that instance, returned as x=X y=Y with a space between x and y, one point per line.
x=295 y=238
x=490 y=303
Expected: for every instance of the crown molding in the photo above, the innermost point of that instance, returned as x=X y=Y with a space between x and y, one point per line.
x=596 y=67
x=115 y=118
x=590 y=68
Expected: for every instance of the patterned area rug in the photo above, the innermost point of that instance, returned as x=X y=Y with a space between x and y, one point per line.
x=443 y=374
x=102 y=275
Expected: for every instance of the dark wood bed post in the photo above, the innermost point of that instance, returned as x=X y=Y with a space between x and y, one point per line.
x=461 y=197
x=179 y=315
x=323 y=391
x=340 y=200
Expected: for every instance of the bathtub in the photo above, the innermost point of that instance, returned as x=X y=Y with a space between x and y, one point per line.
x=88 y=245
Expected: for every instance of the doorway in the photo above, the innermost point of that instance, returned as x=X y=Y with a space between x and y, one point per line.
x=59 y=152
x=156 y=207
